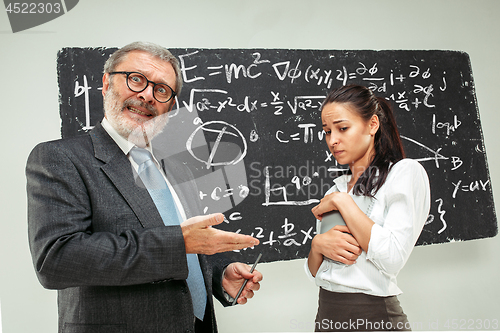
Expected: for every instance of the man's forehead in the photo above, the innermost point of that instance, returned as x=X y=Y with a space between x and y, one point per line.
x=153 y=67
x=142 y=58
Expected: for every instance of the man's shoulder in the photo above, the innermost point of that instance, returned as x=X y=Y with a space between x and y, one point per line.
x=77 y=141
x=84 y=138
x=78 y=145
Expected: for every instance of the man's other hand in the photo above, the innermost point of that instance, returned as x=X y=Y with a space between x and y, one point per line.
x=235 y=275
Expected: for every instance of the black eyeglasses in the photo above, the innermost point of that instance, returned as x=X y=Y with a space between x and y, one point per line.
x=137 y=82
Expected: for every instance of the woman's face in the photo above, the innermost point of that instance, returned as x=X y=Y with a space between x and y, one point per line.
x=349 y=137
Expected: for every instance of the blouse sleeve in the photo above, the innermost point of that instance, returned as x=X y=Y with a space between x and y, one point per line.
x=407 y=198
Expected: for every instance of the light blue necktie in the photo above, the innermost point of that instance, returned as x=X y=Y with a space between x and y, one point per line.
x=160 y=193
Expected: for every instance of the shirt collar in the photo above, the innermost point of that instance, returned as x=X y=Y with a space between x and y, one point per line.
x=341 y=182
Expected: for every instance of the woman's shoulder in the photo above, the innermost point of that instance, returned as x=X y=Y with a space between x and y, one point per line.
x=409 y=167
x=407 y=163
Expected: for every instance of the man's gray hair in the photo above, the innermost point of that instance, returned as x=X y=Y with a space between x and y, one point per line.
x=153 y=49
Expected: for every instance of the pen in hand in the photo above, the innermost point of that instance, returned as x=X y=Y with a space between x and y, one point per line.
x=246 y=280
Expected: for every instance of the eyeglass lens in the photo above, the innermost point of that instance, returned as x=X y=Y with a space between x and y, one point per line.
x=138 y=82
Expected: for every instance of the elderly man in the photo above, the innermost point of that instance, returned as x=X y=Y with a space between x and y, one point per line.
x=117 y=232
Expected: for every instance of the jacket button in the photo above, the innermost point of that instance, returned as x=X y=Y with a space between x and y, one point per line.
x=185 y=290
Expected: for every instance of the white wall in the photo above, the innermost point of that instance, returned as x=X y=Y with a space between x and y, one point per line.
x=440 y=282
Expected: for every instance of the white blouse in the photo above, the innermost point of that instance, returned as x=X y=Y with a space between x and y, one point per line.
x=399 y=211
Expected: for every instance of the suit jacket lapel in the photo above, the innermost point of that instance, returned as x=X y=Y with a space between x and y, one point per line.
x=119 y=170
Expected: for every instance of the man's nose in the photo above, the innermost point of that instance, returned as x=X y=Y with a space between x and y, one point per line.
x=147 y=94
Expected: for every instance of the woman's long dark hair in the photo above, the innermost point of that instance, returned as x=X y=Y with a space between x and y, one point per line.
x=388 y=146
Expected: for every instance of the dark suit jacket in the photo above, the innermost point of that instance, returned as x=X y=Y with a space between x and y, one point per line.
x=97 y=238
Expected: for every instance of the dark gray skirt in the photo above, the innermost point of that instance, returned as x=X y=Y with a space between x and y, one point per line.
x=351 y=312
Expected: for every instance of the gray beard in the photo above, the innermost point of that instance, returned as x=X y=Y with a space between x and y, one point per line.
x=138 y=134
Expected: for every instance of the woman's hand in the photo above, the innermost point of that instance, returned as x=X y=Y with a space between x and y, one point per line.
x=329 y=202
x=337 y=244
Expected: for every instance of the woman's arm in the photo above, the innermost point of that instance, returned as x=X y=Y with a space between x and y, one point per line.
x=407 y=198
x=336 y=244
x=358 y=223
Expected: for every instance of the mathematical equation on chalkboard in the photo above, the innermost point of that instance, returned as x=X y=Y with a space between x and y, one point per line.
x=247 y=123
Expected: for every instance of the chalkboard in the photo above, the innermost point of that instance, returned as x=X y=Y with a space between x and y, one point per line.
x=247 y=123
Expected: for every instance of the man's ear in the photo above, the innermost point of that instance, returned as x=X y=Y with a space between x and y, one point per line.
x=172 y=106
x=105 y=83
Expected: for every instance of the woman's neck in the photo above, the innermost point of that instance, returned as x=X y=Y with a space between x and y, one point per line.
x=358 y=169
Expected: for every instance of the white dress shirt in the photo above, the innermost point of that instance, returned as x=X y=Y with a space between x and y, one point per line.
x=400 y=210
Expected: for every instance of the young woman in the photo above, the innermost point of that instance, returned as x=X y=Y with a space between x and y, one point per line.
x=356 y=265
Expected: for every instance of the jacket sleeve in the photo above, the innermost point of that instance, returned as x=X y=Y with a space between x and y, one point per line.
x=68 y=249
x=219 y=262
